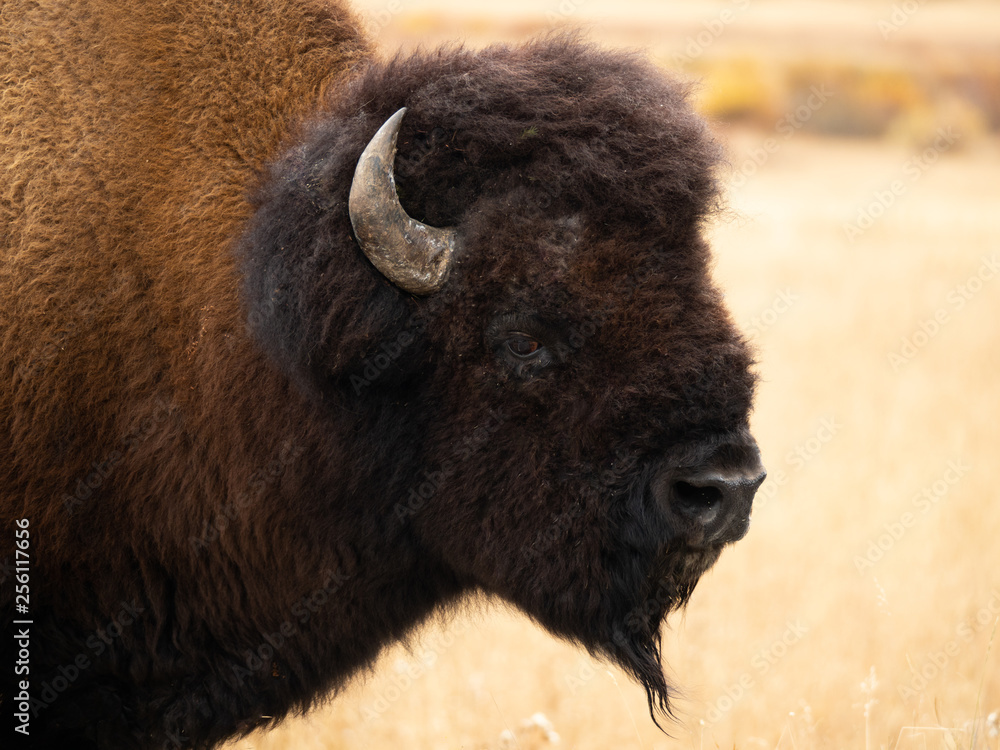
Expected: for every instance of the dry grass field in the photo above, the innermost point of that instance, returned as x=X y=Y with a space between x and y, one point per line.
x=860 y=610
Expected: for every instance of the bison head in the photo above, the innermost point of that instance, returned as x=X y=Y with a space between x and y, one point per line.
x=520 y=331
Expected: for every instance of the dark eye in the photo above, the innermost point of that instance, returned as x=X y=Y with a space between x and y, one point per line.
x=523 y=346
x=523 y=343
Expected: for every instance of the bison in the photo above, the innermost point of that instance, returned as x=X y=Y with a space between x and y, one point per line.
x=300 y=344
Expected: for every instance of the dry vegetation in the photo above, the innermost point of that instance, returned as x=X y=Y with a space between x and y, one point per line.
x=859 y=611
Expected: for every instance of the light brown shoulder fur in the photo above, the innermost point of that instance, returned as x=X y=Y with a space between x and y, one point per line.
x=129 y=133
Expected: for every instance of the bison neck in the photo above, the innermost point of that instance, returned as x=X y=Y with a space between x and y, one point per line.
x=256 y=557
x=296 y=569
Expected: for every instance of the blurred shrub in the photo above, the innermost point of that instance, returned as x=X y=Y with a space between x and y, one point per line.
x=903 y=99
x=741 y=89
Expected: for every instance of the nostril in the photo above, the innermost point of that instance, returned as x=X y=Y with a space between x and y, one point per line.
x=694 y=499
x=715 y=496
x=710 y=500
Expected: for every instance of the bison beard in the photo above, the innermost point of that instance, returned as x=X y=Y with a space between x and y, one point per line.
x=652 y=579
x=217 y=411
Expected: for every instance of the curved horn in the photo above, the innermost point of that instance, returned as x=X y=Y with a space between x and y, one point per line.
x=413 y=256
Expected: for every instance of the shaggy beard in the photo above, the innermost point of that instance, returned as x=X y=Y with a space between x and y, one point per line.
x=635 y=643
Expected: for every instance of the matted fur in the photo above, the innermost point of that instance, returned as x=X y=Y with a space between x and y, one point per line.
x=229 y=430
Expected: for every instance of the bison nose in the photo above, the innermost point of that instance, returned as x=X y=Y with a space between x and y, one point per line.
x=714 y=501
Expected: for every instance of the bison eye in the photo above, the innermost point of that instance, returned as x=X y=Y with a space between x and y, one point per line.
x=523 y=342
x=523 y=346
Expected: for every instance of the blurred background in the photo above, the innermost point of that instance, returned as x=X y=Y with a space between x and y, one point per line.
x=861 y=254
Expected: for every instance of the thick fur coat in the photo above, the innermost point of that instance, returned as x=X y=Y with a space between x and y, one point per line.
x=248 y=460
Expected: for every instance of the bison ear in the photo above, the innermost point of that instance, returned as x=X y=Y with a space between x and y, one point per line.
x=315 y=306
